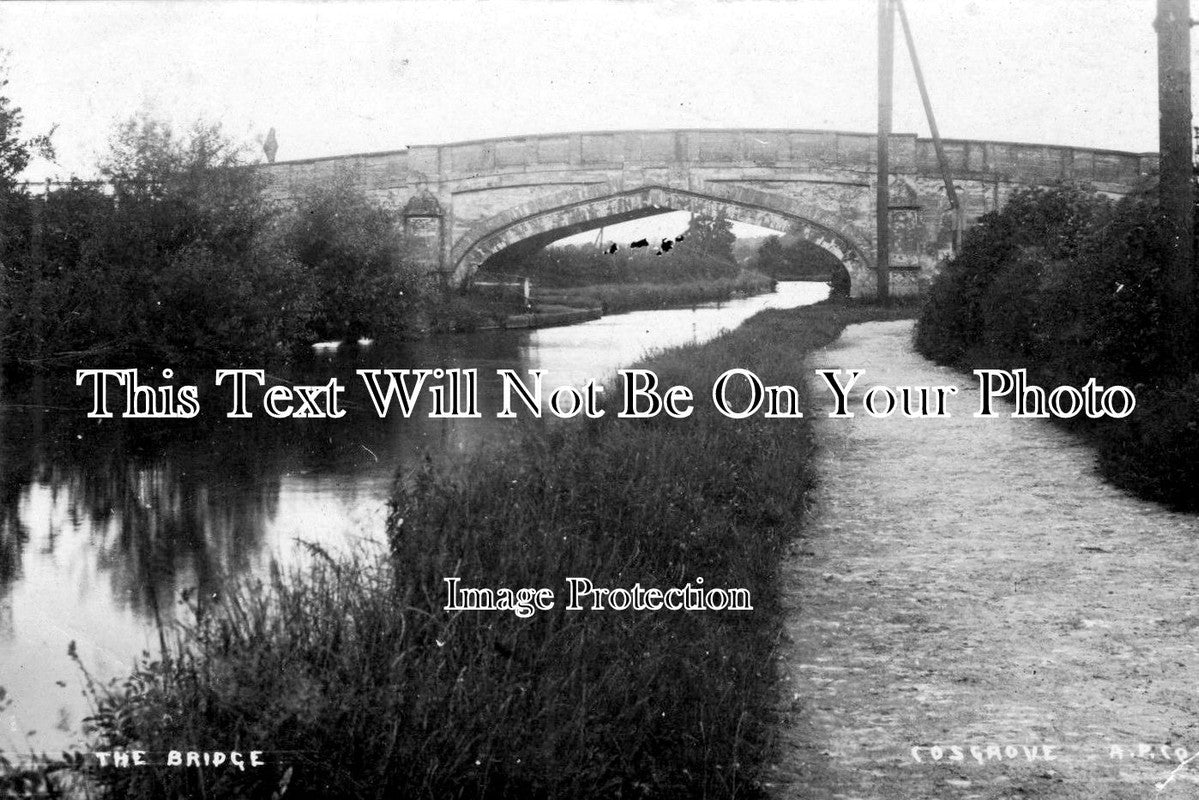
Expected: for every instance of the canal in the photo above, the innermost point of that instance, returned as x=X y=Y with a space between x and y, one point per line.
x=104 y=523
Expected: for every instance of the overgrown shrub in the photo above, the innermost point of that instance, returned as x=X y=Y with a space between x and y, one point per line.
x=226 y=311
x=177 y=267
x=353 y=253
x=185 y=262
x=1055 y=222
x=1009 y=306
x=1155 y=453
x=1071 y=286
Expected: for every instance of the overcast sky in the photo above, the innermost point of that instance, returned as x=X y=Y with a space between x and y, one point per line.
x=349 y=77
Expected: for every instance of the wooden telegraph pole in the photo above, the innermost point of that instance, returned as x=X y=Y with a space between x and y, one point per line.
x=886 y=49
x=1175 y=192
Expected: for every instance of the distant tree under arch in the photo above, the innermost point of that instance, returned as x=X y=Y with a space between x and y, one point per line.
x=712 y=236
x=793 y=259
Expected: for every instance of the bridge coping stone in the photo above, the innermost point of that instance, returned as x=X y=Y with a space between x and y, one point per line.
x=968 y=157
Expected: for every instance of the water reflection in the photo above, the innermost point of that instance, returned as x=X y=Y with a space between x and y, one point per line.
x=104 y=522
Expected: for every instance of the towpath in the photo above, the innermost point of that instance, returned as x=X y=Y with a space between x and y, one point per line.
x=973 y=583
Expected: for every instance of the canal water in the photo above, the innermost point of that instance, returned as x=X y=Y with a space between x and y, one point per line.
x=104 y=521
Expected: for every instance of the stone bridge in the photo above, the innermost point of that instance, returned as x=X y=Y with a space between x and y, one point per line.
x=465 y=202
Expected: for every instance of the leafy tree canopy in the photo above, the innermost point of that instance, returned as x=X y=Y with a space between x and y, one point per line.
x=711 y=235
x=16 y=152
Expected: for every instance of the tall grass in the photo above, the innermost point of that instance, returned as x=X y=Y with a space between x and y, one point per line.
x=357 y=684
x=615 y=298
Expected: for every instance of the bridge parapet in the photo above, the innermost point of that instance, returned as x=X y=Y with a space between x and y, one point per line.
x=387 y=169
x=1038 y=163
x=774 y=147
x=767 y=147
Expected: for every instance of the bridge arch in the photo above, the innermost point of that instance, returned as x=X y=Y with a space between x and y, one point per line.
x=536 y=224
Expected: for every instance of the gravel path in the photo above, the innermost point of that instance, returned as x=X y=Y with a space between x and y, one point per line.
x=973 y=582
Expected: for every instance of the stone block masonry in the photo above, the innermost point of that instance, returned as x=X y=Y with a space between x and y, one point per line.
x=525 y=191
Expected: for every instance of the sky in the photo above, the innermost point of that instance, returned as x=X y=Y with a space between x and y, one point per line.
x=344 y=77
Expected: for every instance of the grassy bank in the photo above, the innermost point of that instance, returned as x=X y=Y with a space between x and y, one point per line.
x=356 y=683
x=616 y=298
x=465 y=312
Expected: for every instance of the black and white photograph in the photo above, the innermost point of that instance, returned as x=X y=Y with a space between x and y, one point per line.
x=589 y=399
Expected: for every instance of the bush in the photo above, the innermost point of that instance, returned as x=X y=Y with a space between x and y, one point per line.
x=224 y=311
x=353 y=254
x=1155 y=453
x=187 y=263
x=1009 y=307
x=178 y=267
x=1055 y=222
x=1119 y=297
x=1072 y=287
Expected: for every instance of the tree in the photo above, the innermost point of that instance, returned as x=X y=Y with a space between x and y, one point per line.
x=15 y=152
x=797 y=260
x=712 y=236
x=181 y=189
x=18 y=281
x=352 y=252
x=192 y=242
x=56 y=287
x=771 y=258
x=180 y=266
